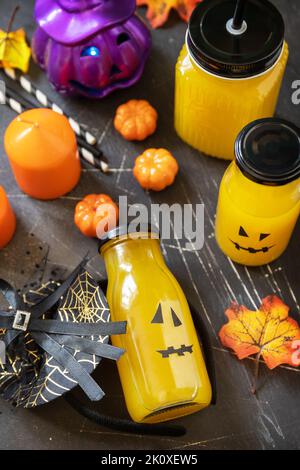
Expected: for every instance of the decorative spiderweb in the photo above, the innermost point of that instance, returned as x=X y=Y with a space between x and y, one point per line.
x=84 y=303
x=32 y=377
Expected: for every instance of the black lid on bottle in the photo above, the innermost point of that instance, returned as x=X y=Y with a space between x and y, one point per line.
x=231 y=54
x=267 y=151
x=129 y=229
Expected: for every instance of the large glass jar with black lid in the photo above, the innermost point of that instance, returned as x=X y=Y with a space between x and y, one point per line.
x=227 y=77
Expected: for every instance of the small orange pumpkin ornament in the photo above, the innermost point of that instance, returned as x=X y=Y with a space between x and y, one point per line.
x=95 y=213
x=155 y=169
x=135 y=120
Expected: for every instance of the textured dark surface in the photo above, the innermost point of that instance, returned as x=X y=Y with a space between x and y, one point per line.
x=46 y=234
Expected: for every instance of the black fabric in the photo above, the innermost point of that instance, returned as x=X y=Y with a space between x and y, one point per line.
x=91 y=347
x=58 y=327
x=85 y=329
x=9 y=294
x=41 y=330
x=84 y=380
x=45 y=304
x=15 y=301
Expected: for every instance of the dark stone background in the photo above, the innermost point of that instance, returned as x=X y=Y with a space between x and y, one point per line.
x=48 y=244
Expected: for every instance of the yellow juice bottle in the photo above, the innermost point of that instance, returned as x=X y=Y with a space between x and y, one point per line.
x=226 y=77
x=259 y=198
x=163 y=373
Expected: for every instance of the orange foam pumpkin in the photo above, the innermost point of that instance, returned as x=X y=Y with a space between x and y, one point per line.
x=155 y=169
x=136 y=120
x=93 y=210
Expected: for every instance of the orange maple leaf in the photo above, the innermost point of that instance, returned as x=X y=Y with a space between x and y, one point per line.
x=268 y=332
x=158 y=10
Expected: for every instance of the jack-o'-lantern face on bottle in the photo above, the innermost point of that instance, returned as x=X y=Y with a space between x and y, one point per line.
x=170 y=319
x=253 y=245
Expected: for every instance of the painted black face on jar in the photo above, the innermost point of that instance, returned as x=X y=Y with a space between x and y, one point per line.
x=241 y=243
x=172 y=350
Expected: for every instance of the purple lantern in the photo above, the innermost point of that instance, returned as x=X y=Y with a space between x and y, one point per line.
x=90 y=47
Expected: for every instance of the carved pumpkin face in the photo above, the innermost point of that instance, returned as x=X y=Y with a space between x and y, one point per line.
x=244 y=243
x=113 y=58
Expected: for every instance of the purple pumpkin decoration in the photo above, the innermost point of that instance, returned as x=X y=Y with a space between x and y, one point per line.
x=90 y=47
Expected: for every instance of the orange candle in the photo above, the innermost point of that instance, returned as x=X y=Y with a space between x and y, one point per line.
x=7 y=220
x=42 y=150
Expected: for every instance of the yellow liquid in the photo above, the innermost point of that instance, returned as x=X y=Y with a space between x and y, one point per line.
x=211 y=111
x=258 y=209
x=156 y=388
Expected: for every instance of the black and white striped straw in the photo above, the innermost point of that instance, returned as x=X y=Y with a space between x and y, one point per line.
x=89 y=153
x=44 y=100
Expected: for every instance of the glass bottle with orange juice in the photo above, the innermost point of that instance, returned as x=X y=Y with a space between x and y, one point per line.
x=259 y=198
x=163 y=372
x=229 y=72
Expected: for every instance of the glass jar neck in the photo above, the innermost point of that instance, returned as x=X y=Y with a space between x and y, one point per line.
x=132 y=250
